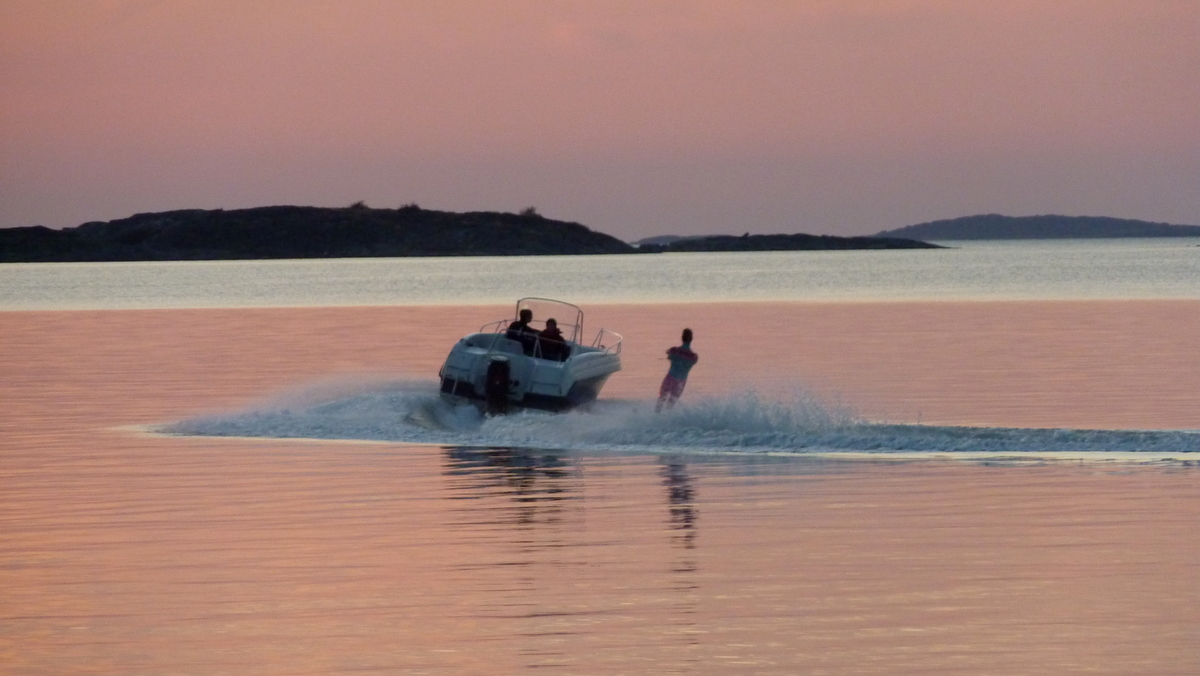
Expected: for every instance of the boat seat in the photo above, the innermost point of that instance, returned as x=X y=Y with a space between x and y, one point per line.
x=510 y=346
x=483 y=341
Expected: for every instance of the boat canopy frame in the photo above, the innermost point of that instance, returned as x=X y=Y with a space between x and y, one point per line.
x=560 y=311
x=568 y=317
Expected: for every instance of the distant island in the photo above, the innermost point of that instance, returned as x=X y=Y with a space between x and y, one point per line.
x=357 y=231
x=995 y=226
x=796 y=242
x=360 y=231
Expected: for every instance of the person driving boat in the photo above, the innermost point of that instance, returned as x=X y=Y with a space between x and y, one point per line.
x=522 y=332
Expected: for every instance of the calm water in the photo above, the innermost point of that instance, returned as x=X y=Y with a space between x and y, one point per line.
x=1043 y=270
x=742 y=534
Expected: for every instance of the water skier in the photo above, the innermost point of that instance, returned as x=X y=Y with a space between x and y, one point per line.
x=682 y=360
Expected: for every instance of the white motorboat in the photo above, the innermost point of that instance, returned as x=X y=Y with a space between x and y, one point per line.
x=512 y=364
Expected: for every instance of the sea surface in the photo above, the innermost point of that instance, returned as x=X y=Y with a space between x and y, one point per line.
x=977 y=460
x=1001 y=270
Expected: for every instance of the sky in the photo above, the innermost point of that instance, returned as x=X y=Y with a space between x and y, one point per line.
x=636 y=118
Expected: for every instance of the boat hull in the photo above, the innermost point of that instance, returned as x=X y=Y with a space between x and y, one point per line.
x=510 y=365
x=542 y=384
x=582 y=393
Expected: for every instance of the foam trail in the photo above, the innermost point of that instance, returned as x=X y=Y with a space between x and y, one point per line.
x=743 y=422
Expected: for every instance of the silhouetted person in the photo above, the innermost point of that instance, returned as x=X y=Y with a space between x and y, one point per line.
x=682 y=360
x=552 y=343
x=522 y=332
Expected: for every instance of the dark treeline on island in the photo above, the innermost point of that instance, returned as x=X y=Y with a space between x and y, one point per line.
x=995 y=226
x=360 y=231
x=797 y=242
x=357 y=231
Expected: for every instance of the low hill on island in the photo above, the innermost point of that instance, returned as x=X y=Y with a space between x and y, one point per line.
x=360 y=231
x=796 y=242
x=305 y=232
x=995 y=226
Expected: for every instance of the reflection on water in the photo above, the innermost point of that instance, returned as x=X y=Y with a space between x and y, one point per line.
x=520 y=501
x=682 y=526
x=169 y=555
x=536 y=483
x=558 y=567
x=681 y=496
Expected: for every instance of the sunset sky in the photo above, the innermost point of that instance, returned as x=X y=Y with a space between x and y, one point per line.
x=635 y=118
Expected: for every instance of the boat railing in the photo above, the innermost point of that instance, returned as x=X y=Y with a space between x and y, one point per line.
x=608 y=341
x=536 y=347
x=570 y=331
x=498 y=326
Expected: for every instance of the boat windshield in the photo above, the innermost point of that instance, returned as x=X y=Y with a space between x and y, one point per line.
x=569 y=317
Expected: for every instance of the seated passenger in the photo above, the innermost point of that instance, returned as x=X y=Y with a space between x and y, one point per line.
x=551 y=342
x=522 y=332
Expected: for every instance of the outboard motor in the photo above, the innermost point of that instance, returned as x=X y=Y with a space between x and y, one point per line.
x=497 y=385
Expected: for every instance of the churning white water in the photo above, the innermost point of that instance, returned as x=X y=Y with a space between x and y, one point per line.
x=739 y=422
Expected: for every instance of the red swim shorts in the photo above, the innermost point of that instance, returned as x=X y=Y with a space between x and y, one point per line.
x=671 y=387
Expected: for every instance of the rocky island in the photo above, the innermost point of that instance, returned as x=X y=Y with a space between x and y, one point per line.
x=357 y=231
x=995 y=226
x=796 y=242
x=360 y=231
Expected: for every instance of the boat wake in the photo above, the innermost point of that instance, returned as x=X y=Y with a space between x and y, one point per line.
x=744 y=422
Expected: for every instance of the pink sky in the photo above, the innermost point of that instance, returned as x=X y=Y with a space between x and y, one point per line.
x=635 y=118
